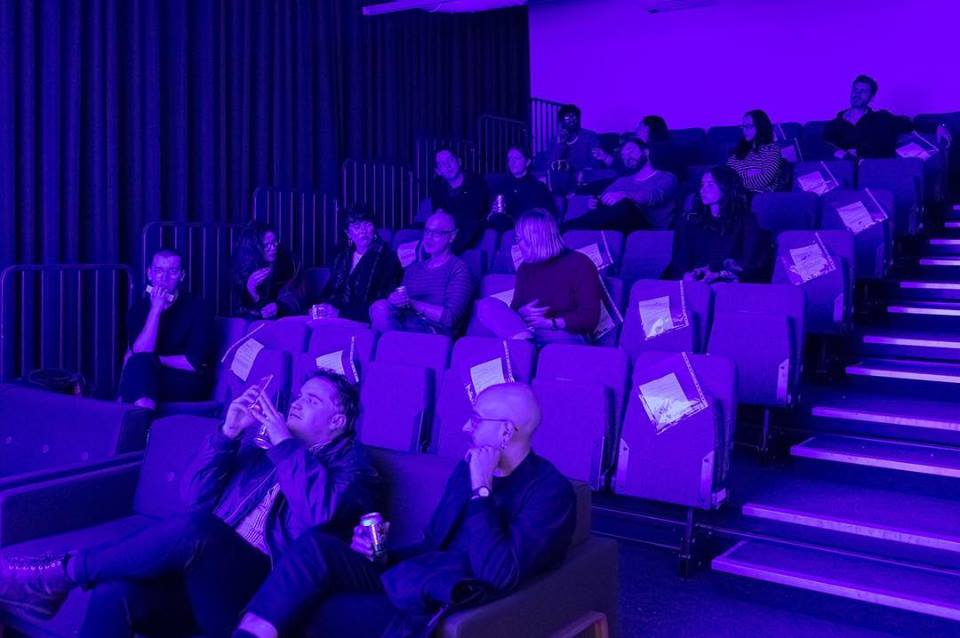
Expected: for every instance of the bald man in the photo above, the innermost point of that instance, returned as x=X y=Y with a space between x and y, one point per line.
x=506 y=515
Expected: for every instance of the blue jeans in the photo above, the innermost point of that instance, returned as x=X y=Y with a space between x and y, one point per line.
x=315 y=567
x=170 y=578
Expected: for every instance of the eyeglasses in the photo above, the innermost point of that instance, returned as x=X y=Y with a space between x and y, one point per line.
x=356 y=227
x=476 y=420
x=437 y=233
x=169 y=272
x=273 y=243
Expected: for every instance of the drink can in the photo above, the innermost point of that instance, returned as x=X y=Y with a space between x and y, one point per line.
x=318 y=311
x=372 y=524
x=500 y=204
x=261 y=440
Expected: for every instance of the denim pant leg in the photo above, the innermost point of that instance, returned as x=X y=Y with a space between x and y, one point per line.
x=312 y=568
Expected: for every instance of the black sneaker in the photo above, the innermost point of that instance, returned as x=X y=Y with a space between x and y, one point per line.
x=38 y=586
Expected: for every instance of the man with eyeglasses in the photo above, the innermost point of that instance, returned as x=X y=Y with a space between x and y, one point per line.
x=506 y=515
x=436 y=293
x=171 y=339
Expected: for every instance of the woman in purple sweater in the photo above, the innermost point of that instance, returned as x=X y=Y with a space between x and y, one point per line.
x=557 y=293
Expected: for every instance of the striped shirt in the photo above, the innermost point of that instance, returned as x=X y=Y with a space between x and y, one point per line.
x=450 y=286
x=762 y=170
x=253 y=526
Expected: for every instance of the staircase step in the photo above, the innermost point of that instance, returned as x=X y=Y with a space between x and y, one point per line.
x=945 y=262
x=884 y=515
x=901 y=343
x=887 y=415
x=933 y=460
x=900 y=370
x=951 y=225
x=935 y=593
x=930 y=289
x=925 y=308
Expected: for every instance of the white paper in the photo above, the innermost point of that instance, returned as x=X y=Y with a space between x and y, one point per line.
x=913 y=150
x=813 y=183
x=665 y=401
x=655 y=316
x=483 y=375
x=855 y=217
x=783 y=381
x=407 y=253
x=332 y=361
x=245 y=357
x=810 y=262
x=506 y=296
x=605 y=324
x=596 y=256
x=516 y=255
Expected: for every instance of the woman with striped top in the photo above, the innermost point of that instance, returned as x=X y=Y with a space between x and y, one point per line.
x=757 y=158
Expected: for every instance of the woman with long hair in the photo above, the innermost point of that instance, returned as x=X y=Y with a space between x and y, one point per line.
x=717 y=238
x=756 y=158
x=267 y=281
x=557 y=294
x=364 y=270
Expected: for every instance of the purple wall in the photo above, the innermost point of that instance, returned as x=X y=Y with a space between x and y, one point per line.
x=707 y=66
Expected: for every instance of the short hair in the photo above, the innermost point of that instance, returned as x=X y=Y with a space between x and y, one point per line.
x=636 y=141
x=445 y=214
x=539 y=229
x=446 y=149
x=167 y=252
x=568 y=109
x=347 y=398
x=360 y=212
x=869 y=81
x=522 y=149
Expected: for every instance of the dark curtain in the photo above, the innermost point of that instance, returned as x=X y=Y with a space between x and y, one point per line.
x=114 y=113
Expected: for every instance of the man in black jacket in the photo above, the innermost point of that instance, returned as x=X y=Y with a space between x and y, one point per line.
x=199 y=569
x=506 y=515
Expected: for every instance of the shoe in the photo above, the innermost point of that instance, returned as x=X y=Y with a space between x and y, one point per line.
x=38 y=586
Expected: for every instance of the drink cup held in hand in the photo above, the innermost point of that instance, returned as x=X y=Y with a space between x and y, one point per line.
x=372 y=525
x=261 y=440
x=500 y=205
x=402 y=290
x=318 y=311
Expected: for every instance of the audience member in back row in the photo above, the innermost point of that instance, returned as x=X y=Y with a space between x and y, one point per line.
x=463 y=194
x=574 y=145
x=197 y=570
x=267 y=281
x=757 y=158
x=861 y=132
x=644 y=198
x=520 y=191
x=557 y=294
x=718 y=239
x=170 y=332
x=435 y=294
x=365 y=270
x=505 y=516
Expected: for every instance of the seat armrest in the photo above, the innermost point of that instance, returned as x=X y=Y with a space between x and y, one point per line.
x=68 y=503
x=50 y=474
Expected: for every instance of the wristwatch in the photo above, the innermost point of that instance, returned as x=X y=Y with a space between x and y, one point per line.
x=481 y=492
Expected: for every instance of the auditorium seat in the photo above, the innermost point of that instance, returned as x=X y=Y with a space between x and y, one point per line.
x=770 y=314
x=578 y=422
x=228 y=331
x=903 y=178
x=677 y=434
x=587 y=364
x=872 y=234
x=498 y=284
x=686 y=328
x=477 y=262
x=289 y=334
x=647 y=255
x=415 y=349
x=607 y=332
x=812 y=144
x=604 y=247
x=407 y=243
x=315 y=280
x=453 y=408
x=518 y=356
x=777 y=212
x=329 y=336
x=829 y=293
x=397 y=402
x=721 y=140
x=100 y=506
x=45 y=435
x=821 y=177
x=230 y=382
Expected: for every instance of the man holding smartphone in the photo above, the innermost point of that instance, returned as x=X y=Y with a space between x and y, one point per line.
x=196 y=571
x=506 y=515
x=171 y=339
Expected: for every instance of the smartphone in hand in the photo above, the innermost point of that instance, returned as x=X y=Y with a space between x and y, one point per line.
x=168 y=297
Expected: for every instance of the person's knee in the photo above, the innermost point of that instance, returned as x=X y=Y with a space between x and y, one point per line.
x=196 y=525
x=141 y=361
x=381 y=313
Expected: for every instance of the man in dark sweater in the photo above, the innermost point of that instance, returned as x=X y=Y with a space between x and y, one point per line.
x=196 y=571
x=171 y=339
x=506 y=515
x=463 y=195
x=520 y=191
x=861 y=132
